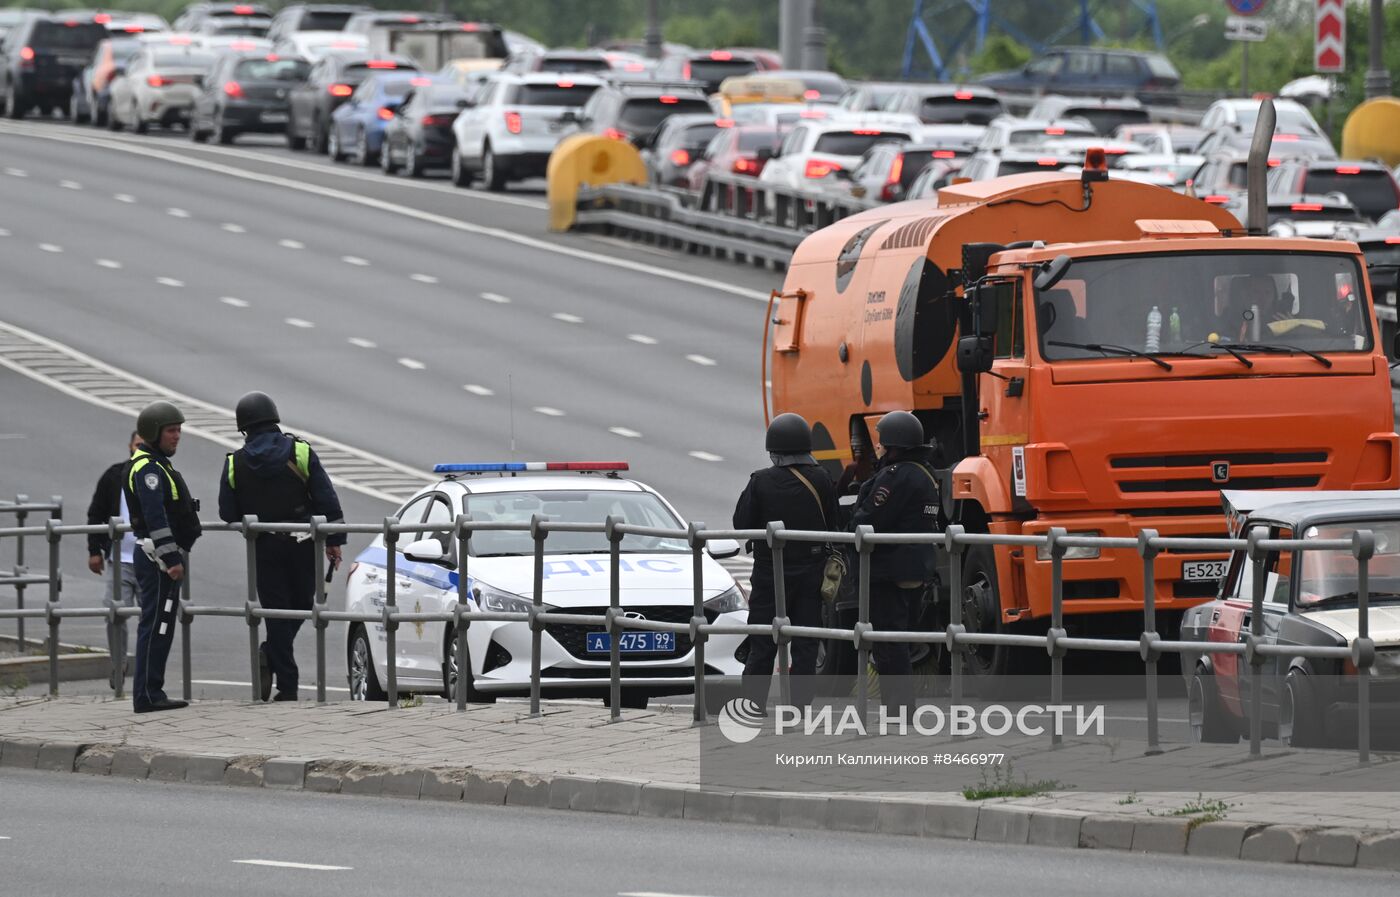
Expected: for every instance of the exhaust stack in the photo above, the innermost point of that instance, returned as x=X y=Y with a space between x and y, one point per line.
x=1257 y=170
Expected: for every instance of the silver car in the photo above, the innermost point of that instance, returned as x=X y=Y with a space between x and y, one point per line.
x=158 y=88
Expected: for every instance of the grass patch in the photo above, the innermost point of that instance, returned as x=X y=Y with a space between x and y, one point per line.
x=1199 y=811
x=1130 y=799
x=1003 y=783
x=415 y=701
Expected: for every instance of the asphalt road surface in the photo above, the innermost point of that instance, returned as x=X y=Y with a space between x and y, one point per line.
x=128 y=837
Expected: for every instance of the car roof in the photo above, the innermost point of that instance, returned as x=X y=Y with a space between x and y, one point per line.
x=552 y=78
x=490 y=485
x=1297 y=508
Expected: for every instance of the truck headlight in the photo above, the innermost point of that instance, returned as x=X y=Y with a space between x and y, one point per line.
x=1042 y=552
x=727 y=602
x=504 y=602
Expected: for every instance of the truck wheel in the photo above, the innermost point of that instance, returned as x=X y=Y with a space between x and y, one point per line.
x=981 y=602
x=1209 y=724
x=359 y=662
x=1299 y=714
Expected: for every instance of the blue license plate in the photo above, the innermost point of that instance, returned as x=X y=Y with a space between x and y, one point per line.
x=632 y=642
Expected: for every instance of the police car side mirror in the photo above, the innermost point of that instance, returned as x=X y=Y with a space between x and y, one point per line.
x=424 y=550
x=975 y=354
x=719 y=549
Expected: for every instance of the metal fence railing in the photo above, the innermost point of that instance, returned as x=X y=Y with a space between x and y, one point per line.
x=18 y=576
x=1150 y=645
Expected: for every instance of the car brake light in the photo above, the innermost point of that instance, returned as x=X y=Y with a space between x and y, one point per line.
x=133 y=29
x=1348 y=169
x=614 y=134
x=944 y=154
x=243 y=10
x=438 y=121
x=962 y=94
x=1047 y=161
x=1392 y=241
x=102 y=18
x=1273 y=163
x=410 y=20
x=752 y=166
x=1055 y=132
x=340 y=90
x=71 y=23
x=156 y=81
x=867 y=132
x=1286 y=138
x=233 y=89
x=420 y=82
x=1306 y=207
x=513 y=122
x=564 y=84
x=721 y=55
x=382 y=64
x=470 y=26
x=685 y=72
x=897 y=169
x=680 y=157
x=820 y=168
x=668 y=99
x=1218 y=199
x=811 y=94
x=26 y=54
x=1114 y=151
x=385 y=113
x=724 y=123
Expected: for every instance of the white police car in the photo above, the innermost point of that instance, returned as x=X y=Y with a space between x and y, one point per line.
x=655 y=582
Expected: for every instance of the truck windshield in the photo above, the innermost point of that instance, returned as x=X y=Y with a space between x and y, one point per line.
x=1330 y=577
x=1183 y=302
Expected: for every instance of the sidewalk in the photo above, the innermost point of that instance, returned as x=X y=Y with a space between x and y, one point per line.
x=648 y=764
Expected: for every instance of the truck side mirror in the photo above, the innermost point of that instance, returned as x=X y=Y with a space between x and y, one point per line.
x=1053 y=271
x=975 y=354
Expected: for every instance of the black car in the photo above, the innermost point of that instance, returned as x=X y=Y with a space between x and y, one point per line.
x=634 y=110
x=39 y=59
x=420 y=135
x=311 y=17
x=678 y=144
x=330 y=83
x=709 y=67
x=1090 y=70
x=246 y=94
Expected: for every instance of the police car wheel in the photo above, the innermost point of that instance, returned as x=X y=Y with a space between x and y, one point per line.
x=450 y=669
x=359 y=662
x=1208 y=721
x=1299 y=716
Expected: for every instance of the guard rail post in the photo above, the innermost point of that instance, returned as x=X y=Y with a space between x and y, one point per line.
x=1363 y=650
x=186 y=621
x=52 y=618
x=1252 y=656
x=1148 y=650
x=461 y=662
x=863 y=551
x=952 y=536
x=116 y=644
x=1057 y=623
x=780 y=617
x=614 y=608
x=318 y=604
x=20 y=517
x=391 y=607
x=537 y=533
x=250 y=604
x=697 y=617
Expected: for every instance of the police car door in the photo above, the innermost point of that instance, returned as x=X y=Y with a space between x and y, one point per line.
x=435 y=587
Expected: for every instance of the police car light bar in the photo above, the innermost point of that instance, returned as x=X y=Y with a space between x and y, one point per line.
x=523 y=466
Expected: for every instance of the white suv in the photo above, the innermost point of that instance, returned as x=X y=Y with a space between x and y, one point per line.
x=816 y=152
x=514 y=125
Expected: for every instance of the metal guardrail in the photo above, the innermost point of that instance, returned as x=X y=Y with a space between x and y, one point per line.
x=956 y=637
x=18 y=575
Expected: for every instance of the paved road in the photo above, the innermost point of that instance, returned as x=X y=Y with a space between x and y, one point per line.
x=153 y=839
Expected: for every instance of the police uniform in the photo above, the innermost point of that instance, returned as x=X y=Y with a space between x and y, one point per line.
x=166 y=517
x=900 y=498
x=278 y=478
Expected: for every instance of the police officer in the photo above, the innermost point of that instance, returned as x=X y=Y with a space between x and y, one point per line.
x=277 y=477
x=798 y=492
x=902 y=497
x=165 y=519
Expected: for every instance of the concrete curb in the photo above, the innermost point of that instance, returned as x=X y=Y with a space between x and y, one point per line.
x=989 y=822
x=76 y=663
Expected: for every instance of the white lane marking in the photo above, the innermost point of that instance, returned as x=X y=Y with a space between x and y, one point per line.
x=3 y=232
x=354 y=260
x=549 y=412
x=383 y=205
x=291 y=244
x=412 y=364
x=702 y=360
x=299 y=322
x=705 y=456
x=653 y=894
x=249 y=684
x=17 y=172
x=496 y=298
x=477 y=390
x=50 y=247
x=566 y=317
x=177 y=213
x=169 y=282
x=109 y=263
x=423 y=278
x=623 y=431
x=642 y=338
x=236 y=303
x=234 y=228
x=362 y=342
x=123 y=197
x=313 y=867
x=70 y=185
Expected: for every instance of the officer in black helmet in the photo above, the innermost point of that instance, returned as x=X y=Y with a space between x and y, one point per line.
x=165 y=521
x=902 y=497
x=277 y=477
x=798 y=492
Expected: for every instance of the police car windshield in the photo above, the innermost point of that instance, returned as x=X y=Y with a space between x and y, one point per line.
x=572 y=506
x=1331 y=577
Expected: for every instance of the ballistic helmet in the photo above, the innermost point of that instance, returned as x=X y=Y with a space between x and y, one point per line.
x=900 y=429
x=154 y=418
x=253 y=409
x=788 y=434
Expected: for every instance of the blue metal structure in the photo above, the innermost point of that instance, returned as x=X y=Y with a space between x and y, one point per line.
x=971 y=20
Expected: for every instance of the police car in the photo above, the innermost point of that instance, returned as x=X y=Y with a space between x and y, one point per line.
x=656 y=583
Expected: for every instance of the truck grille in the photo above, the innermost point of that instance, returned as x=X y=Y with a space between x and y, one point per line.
x=1162 y=474
x=574 y=636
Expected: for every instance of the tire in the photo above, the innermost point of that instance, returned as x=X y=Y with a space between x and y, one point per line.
x=449 y=673
x=989 y=665
x=320 y=140
x=363 y=157
x=140 y=125
x=359 y=666
x=333 y=145
x=99 y=115
x=461 y=175
x=1299 y=712
x=294 y=142
x=197 y=135
x=386 y=159
x=1207 y=719
x=113 y=123
x=78 y=118
x=492 y=178
x=222 y=135
x=13 y=107
x=413 y=166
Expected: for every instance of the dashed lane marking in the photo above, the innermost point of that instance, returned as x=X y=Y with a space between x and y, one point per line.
x=362 y=343
x=299 y=322
x=123 y=197
x=3 y=232
x=549 y=412
x=70 y=185
x=705 y=456
x=566 y=317
x=478 y=390
x=624 y=432
x=702 y=360
x=291 y=244
x=354 y=260
x=278 y=864
x=169 y=282
x=177 y=213
x=234 y=228
x=496 y=298
x=642 y=338
x=109 y=263
x=236 y=303
x=50 y=247
x=17 y=172
x=423 y=278
x=412 y=364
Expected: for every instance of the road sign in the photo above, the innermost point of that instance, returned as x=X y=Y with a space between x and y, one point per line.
x=1240 y=28
x=1246 y=7
x=1330 y=37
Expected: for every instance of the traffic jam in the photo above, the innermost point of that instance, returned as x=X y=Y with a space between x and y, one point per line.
x=1097 y=329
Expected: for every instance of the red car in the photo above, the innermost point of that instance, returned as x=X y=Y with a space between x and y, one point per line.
x=739 y=150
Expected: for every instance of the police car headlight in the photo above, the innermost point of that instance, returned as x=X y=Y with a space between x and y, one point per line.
x=1042 y=552
x=727 y=602
x=504 y=602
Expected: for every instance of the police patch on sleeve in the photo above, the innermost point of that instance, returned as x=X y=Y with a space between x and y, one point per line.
x=881 y=495
x=152 y=482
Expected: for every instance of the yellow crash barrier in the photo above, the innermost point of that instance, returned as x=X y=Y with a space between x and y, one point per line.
x=1373 y=130
x=587 y=160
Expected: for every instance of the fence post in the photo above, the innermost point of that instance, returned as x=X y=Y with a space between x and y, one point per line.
x=186 y=619
x=614 y=606
x=391 y=607
x=55 y=586
x=863 y=550
x=250 y=604
x=951 y=536
x=1256 y=629
x=318 y=604
x=1057 y=624
x=1363 y=650
x=538 y=535
x=20 y=518
x=464 y=669
x=697 y=617
x=1148 y=649
x=116 y=643
x=780 y=616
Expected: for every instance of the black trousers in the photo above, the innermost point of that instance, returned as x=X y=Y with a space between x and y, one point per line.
x=159 y=597
x=286 y=581
x=890 y=609
x=804 y=606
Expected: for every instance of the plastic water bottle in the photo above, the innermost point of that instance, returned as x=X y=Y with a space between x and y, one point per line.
x=1174 y=327
x=1154 y=330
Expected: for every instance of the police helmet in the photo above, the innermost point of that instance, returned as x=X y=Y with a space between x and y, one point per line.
x=154 y=418
x=788 y=434
x=255 y=408
x=900 y=429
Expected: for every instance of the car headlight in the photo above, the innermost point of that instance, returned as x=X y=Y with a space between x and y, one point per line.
x=1042 y=552
x=504 y=602
x=727 y=602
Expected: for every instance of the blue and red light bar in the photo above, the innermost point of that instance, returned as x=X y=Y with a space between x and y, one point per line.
x=523 y=466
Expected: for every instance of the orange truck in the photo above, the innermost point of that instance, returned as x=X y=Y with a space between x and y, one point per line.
x=1088 y=353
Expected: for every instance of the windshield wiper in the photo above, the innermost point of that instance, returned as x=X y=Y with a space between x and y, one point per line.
x=1235 y=353
x=1284 y=349
x=1154 y=357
